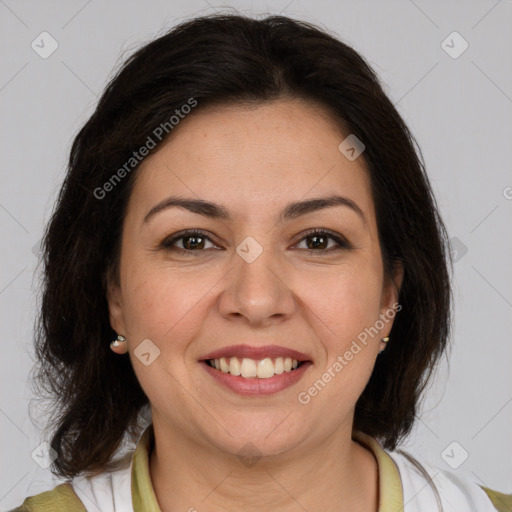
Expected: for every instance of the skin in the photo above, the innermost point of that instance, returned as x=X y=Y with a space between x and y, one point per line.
x=254 y=160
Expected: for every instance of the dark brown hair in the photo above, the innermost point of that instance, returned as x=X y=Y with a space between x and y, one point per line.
x=227 y=59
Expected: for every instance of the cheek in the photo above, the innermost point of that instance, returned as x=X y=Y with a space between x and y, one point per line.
x=345 y=300
x=164 y=307
x=343 y=307
x=162 y=304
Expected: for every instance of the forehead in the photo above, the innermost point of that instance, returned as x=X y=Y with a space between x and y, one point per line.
x=254 y=157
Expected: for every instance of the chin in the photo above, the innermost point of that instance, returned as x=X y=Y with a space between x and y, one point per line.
x=258 y=435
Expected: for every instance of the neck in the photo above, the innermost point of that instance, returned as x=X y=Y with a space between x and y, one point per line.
x=339 y=474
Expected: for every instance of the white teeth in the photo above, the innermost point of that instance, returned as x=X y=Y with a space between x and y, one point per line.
x=265 y=368
x=224 y=366
x=250 y=368
x=234 y=366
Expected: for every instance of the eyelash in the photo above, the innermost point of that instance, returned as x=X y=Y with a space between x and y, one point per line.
x=342 y=242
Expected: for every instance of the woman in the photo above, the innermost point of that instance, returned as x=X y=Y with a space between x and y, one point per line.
x=246 y=215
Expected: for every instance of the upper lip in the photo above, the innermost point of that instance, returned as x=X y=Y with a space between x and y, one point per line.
x=256 y=353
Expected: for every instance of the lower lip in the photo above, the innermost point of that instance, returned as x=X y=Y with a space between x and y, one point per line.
x=255 y=386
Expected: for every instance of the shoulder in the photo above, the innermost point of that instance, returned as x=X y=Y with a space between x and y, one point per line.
x=60 y=499
x=108 y=491
x=502 y=502
x=456 y=490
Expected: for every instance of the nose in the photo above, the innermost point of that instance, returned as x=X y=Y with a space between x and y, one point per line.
x=257 y=291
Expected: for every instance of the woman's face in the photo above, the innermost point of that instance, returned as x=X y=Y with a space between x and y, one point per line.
x=257 y=283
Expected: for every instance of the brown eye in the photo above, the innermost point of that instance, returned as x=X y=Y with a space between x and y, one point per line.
x=319 y=241
x=191 y=241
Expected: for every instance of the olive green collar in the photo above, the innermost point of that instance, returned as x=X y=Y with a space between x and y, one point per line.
x=391 y=497
x=143 y=494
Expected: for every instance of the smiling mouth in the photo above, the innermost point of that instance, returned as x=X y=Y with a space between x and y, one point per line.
x=252 y=368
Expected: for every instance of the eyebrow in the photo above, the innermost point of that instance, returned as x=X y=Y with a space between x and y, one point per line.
x=290 y=212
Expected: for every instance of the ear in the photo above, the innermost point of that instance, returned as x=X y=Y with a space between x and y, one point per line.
x=391 y=294
x=115 y=309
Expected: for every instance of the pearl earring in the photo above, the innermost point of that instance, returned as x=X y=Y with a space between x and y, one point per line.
x=117 y=342
x=384 y=340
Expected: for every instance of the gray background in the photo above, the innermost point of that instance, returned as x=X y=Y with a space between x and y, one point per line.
x=460 y=110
